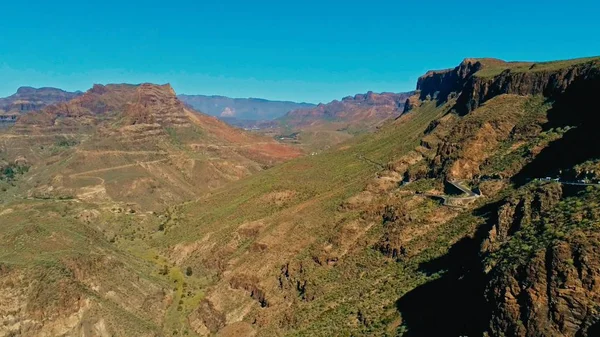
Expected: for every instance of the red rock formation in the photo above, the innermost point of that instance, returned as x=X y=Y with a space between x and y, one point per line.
x=371 y=107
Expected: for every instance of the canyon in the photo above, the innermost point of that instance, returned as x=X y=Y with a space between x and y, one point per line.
x=126 y=212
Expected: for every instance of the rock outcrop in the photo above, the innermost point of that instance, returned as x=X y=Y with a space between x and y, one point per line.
x=546 y=282
x=475 y=81
x=156 y=104
x=547 y=82
x=439 y=84
x=556 y=293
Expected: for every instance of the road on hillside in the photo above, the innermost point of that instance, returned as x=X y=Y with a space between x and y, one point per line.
x=464 y=189
x=564 y=182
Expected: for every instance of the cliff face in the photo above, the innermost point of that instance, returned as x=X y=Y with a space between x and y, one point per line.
x=156 y=104
x=503 y=106
x=512 y=123
x=546 y=280
x=137 y=128
x=440 y=84
x=80 y=111
x=554 y=294
x=549 y=83
x=476 y=81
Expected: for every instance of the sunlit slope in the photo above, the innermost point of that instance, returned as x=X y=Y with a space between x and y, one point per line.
x=132 y=144
x=244 y=233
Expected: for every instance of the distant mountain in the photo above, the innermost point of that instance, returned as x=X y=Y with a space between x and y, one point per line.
x=365 y=109
x=139 y=141
x=327 y=124
x=241 y=108
x=28 y=99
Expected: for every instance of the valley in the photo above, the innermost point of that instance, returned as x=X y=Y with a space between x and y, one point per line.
x=126 y=213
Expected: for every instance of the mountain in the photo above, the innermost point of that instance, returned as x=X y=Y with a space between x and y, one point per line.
x=251 y=109
x=135 y=144
x=28 y=99
x=338 y=245
x=477 y=208
x=328 y=124
x=369 y=108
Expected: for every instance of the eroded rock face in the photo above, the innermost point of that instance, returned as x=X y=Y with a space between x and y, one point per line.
x=156 y=104
x=212 y=319
x=250 y=284
x=547 y=83
x=439 y=84
x=520 y=211
x=555 y=294
x=77 y=112
x=78 y=296
x=472 y=90
x=31 y=308
x=547 y=281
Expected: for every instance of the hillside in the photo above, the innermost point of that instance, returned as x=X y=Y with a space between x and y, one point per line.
x=335 y=245
x=476 y=209
x=369 y=107
x=329 y=124
x=241 y=109
x=137 y=145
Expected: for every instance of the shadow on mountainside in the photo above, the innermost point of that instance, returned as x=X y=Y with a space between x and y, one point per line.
x=578 y=107
x=454 y=304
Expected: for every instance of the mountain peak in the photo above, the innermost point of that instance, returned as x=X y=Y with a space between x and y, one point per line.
x=25 y=90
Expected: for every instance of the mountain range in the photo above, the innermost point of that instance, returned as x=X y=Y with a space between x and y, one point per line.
x=469 y=208
x=133 y=143
x=328 y=124
x=29 y=99
x=249 y=109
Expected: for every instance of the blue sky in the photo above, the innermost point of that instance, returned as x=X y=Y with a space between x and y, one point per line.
x=312 y=51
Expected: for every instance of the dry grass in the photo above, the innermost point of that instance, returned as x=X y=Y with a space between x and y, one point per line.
x=491 y=69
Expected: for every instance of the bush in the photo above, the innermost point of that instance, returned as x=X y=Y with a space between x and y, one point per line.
x=10 y=171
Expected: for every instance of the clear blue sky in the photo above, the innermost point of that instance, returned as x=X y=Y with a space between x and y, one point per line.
x=294 y=50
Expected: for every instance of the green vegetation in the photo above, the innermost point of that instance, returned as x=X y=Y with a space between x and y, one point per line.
x=11 y=171
x=494 y=69
x=577 y=213
x=66 y=142
x=326 y=244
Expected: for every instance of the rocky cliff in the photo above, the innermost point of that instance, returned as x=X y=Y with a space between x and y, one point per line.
x=441 y=83
x=534 y=273
x=543 y=254
x=156 y=104
x=536 y=80
x=475 y=81
x=336 y=243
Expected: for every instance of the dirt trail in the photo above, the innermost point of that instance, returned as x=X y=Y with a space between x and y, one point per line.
x=86 y=173
x=233 y=146
x=41 y=135
x=121 y=152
